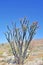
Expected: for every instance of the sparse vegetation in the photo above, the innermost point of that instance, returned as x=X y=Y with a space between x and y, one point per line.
x=1 y=52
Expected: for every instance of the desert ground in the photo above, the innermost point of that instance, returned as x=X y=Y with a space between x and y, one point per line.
x=35 y=57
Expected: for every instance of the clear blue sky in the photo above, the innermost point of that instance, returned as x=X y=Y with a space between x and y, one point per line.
x=12 y=10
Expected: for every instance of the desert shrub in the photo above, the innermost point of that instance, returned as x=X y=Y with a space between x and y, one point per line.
x=19 y=38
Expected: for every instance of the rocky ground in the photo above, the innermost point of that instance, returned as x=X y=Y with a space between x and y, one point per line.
x=35 y=57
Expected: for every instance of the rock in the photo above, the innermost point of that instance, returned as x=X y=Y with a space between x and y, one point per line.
x=10 y=59
x=1 y=59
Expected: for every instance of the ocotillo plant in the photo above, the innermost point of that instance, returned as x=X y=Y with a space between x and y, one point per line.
x=19 y=39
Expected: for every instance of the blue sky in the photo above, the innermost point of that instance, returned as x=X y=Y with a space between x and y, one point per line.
x=13 y=10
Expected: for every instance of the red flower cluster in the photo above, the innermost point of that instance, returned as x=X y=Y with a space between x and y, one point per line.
x=35 y=23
